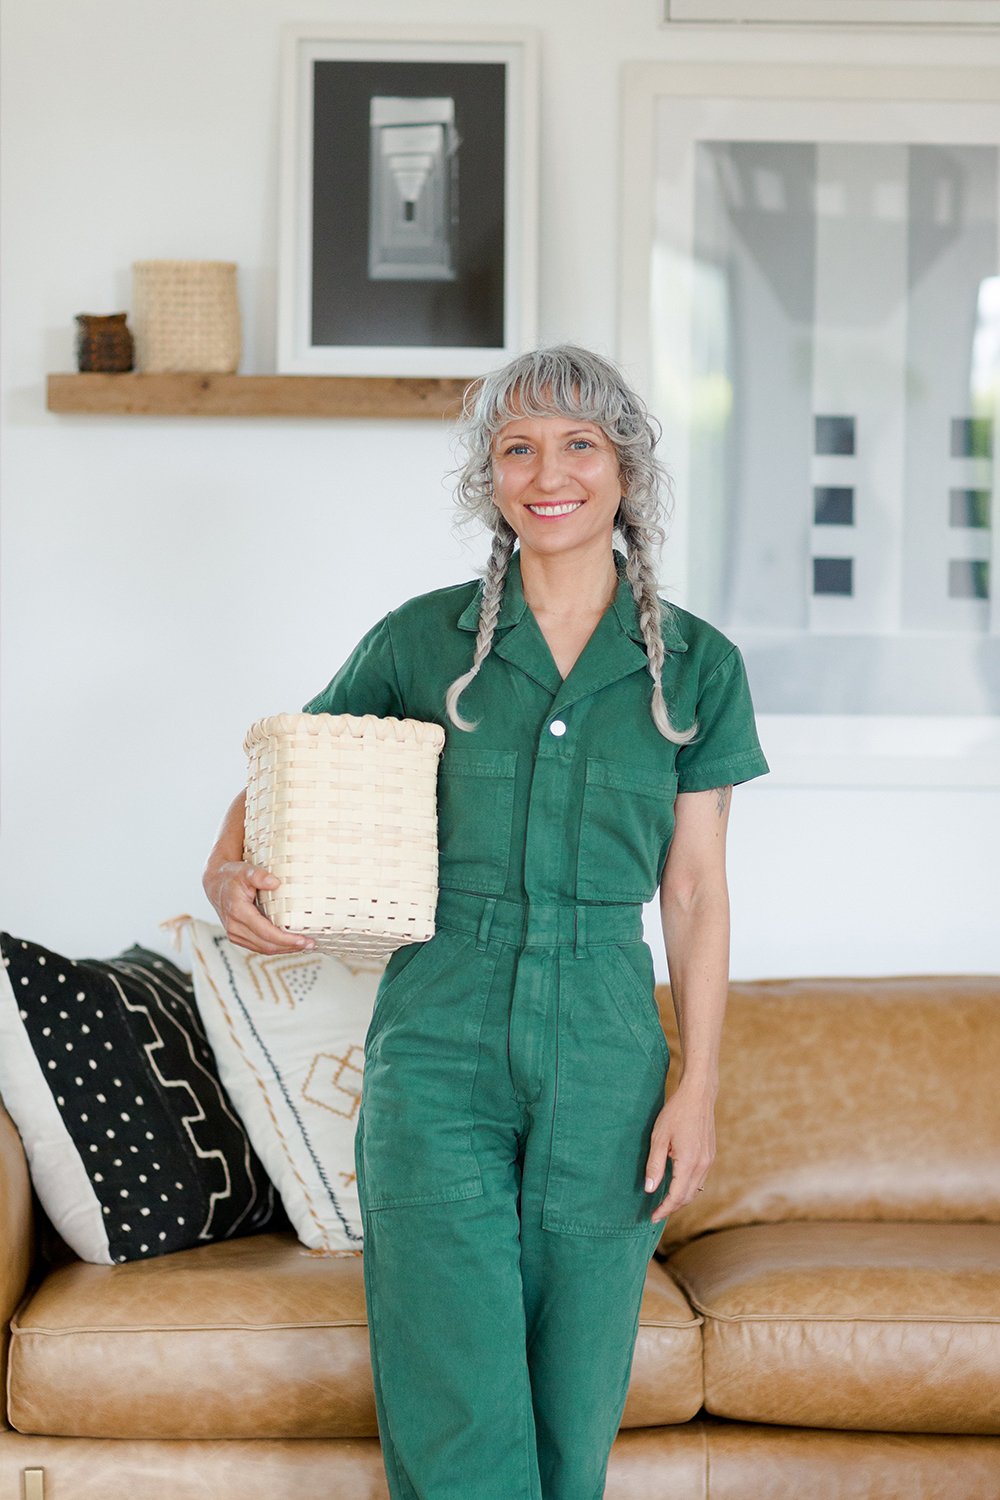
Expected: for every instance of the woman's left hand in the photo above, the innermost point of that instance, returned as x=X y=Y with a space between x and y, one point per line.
x=684 y=1131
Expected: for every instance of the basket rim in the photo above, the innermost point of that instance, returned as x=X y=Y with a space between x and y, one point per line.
x=150 y=265
x=336 y=726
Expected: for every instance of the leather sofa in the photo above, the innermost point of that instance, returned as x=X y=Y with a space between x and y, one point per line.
x=823 y=1323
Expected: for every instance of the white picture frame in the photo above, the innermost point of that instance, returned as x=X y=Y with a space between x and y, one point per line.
x=305 y=345
x=806 y=749
x=924 y=13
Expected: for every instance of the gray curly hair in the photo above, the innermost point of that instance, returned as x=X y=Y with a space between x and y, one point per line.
x=570 y=382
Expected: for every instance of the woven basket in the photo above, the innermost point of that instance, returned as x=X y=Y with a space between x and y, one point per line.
x=344 y=812
x=186 y=316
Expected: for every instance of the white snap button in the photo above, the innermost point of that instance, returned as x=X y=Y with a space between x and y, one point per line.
x=557 y=727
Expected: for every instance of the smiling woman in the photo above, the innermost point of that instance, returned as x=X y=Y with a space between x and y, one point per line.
x=515 y=1156
x=557 y=433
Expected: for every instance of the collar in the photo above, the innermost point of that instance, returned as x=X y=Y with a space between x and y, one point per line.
x=513 y=606
x=624 y=607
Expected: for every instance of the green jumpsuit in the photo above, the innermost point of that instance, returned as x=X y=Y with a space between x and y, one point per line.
x=515 y=1062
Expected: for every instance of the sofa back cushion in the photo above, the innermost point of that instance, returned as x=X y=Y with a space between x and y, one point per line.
x=852 y=1099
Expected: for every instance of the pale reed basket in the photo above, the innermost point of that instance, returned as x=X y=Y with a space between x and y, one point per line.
x=185 y=316
x=343 y=811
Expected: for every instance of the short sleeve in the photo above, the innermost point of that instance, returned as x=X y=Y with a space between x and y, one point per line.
x=366 y=683
x=725 y=750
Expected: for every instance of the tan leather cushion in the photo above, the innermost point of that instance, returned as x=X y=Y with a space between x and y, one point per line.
x=698 y=1461
x=99 y=1469
x=882 y=1327
x=664 y=1463
x=853 y=1099
x=16 y=1237
x=250 y=1338
x=667 y=1382
x=784 y=1463
x=254 y=1338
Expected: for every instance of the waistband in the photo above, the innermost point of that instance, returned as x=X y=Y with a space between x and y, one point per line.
x=538 y=924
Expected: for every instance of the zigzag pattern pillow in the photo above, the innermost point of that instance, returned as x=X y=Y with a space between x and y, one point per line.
x=134 y=1147
x=289 y=1034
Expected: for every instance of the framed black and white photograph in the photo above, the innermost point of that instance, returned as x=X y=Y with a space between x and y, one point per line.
x=408 y=200
x=811 y=294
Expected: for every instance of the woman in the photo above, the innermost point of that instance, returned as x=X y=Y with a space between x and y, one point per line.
x=514 y=1150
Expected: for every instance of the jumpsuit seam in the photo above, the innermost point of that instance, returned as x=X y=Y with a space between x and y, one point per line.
x=395 y=668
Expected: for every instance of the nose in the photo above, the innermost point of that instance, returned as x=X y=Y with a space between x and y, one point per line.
x=550 y=474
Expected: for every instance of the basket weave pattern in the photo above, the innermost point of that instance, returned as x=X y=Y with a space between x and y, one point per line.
x=186 y=316
x=343 y=810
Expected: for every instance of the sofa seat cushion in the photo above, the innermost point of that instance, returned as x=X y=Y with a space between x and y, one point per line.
x=880 y=1327
x=253 y=1338
x=668 y=1383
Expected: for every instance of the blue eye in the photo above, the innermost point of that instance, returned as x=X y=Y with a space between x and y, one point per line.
x=581 y=443
x=518 y=448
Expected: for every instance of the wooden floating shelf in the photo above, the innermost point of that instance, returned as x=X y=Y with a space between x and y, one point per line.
x=194 y=395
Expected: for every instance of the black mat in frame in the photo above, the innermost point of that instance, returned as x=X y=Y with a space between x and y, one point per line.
x=347 y=307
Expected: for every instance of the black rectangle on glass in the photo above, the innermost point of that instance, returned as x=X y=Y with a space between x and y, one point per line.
x=968 y=578
x=969 y=508
x=833 y=505
x=971 y=437
x=833 y=575
x=834 y=435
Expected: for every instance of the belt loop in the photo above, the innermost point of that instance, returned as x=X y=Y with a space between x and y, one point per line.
x=485 y=923
x=579 y=931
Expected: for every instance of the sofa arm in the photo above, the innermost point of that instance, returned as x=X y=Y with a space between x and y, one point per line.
x=16 y=1232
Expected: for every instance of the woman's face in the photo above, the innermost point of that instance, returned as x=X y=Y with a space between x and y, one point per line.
x=556 y=481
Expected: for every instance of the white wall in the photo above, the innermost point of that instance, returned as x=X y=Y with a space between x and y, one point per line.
x=166 y=582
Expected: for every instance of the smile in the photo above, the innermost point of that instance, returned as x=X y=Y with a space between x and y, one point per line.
x=555 y=510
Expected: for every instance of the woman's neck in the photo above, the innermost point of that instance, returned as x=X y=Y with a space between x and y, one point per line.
x=568 y=593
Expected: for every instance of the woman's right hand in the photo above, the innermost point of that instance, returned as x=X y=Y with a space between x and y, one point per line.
x=232 y=889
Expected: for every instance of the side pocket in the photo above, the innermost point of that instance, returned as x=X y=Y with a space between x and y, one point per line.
x=475 y=807
x=635 y=997
x=609 y=1091
x=415 y=1132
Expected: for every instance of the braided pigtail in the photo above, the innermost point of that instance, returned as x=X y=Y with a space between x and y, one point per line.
x=642 y=581
x=502 y=551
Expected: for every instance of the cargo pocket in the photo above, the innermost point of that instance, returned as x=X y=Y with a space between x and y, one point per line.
x=415 y=1131
x=475 y=807
x=612 y=1070
x=626 y=826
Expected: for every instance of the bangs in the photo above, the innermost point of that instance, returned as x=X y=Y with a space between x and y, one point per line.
x=562 y=382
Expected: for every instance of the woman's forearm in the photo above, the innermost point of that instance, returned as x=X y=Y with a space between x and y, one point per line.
x=696 y=935
x=694 y=905
x=228 y=847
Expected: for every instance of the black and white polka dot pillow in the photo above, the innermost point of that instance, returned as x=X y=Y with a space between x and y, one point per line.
x=134 y=1147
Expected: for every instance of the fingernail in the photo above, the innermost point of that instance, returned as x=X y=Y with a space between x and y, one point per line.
x=650 y=1184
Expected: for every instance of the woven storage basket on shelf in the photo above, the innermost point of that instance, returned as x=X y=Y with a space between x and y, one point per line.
x=186 y=316
x=344 y=812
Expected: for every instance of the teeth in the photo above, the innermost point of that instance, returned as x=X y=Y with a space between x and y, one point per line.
x=555 y=510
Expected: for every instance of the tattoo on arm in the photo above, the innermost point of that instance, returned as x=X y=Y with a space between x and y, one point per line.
x=722 y=798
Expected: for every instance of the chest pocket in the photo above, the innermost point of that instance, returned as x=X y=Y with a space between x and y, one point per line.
x=625 y=831
x=475 y=807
